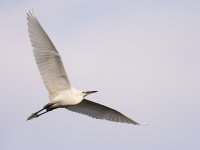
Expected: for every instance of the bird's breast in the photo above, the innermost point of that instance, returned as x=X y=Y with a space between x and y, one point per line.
x=65 y=99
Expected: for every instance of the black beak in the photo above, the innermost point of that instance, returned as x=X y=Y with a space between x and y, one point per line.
x=90 y=92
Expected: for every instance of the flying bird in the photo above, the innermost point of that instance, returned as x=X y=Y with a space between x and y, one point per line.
x=62 y=94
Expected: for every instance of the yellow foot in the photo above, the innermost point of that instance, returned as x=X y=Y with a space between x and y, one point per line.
x=34 y=115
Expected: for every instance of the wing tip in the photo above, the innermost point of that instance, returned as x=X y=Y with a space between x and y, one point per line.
x=133 y=122
x=31 y=13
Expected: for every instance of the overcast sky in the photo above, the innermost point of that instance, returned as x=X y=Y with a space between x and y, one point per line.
x=142 y=56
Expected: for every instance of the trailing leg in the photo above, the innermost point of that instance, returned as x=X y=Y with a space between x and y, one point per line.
x=48 y=107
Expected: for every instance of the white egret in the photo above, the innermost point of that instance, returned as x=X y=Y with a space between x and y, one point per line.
x=61 y=93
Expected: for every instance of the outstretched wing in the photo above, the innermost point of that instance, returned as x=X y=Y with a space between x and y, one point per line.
x=47 y=57
x=99 y=111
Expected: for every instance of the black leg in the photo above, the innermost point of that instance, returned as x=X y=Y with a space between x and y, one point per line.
x=42 y=113
x=39 y=111
x=35 y=115
x=47 y=107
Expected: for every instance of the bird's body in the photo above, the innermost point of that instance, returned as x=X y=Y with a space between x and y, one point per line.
x=71 y=96
x=61 y=93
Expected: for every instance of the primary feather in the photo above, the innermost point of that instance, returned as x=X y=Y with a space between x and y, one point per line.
x=47 y=57
x=99 y=111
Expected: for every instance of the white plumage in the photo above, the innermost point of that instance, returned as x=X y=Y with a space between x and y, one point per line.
x=62 y=94
x=47 y=58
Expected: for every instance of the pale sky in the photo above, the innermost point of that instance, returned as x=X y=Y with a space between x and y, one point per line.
x=142 y=56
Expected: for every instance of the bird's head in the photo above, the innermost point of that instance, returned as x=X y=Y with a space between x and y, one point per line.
x=85 y=93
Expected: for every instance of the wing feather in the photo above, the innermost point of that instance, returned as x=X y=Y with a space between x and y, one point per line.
x=99 y=111
x=47 y=57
